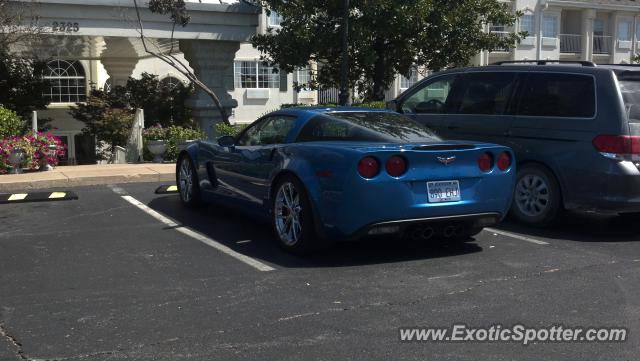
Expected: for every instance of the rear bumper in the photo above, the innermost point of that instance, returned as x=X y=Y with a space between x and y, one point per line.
x=616 y=191
x=438 y=224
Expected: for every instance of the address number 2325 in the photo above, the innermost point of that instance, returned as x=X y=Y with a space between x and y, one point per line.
x=65 y=27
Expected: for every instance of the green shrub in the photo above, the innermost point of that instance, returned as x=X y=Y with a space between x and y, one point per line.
x=11 y=124
x=285 y=106
x=375 y=105
x=223 y=129
x=174 y=136
x=177 y=136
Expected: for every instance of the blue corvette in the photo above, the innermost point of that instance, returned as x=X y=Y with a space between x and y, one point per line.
x=344 y=173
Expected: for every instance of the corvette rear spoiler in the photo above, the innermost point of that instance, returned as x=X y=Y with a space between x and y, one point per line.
x=445 y=147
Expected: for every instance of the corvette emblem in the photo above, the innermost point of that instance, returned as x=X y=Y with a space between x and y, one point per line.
x=447 y=160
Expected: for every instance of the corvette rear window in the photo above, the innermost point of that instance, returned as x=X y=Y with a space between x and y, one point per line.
x=364 y=127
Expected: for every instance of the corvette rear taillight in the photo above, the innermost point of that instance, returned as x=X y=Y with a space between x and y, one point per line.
x=485 y=162
x=504 y=161
x=618 y=147
x=396 y=166
x=368 y=167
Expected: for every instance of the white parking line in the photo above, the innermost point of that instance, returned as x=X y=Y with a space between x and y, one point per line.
x=198 y=236
x=516 y=236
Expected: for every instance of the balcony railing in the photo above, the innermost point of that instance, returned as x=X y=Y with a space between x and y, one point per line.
x=502 y=35
x=570 y=43
x=602 y=44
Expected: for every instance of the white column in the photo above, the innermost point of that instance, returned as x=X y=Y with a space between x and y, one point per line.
x=119 y=59
x=212 y=62
x=588 y=15
x=634 y=37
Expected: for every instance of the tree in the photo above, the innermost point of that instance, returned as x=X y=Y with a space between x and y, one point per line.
x=107 y=117
x=22 y=85
x=162 y=103
x=386 y=37
x=177 y=12
x=21 y=78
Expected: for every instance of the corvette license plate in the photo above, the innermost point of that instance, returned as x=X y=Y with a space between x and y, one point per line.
x=443 y=191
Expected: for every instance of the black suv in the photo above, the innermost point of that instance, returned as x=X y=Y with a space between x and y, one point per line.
x=575 y=129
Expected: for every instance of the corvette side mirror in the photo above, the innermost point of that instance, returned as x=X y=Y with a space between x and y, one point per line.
x=227 y=141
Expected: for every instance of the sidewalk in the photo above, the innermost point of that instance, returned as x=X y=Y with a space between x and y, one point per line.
x=85 y=175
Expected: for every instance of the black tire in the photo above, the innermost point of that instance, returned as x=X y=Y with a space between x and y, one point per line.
x=189 y=196
x=537 y=198
x=306 y=240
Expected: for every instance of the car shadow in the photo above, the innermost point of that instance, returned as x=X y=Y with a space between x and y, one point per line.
x=584 y=227
x=253 y=237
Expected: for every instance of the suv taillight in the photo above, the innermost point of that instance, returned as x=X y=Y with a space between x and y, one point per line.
x=619 y=147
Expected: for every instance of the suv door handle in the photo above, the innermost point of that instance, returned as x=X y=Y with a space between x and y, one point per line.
x=453 y=127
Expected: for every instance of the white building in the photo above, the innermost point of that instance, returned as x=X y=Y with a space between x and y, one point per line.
x=602 y=31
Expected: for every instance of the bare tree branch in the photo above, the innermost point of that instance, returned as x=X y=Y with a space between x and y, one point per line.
x=19 y=24
x=174 y=62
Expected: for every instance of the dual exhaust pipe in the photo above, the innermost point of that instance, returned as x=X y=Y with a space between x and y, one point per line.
x=427 y=233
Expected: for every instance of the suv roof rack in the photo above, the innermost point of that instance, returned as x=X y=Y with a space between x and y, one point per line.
x=622 y=65
x=545 y=62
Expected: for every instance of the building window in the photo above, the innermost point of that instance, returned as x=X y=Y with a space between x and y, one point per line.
x=407 y=81
x=303 y=77
x=274 y=19
x=254 y=74
x=67 y=80
x=497 y=28
x=624 y=30
x=598 y=27
x=550 y=26
x=526 y=24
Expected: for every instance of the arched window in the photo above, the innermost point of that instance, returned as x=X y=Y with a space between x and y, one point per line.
x=68 y=82
x=171 y=83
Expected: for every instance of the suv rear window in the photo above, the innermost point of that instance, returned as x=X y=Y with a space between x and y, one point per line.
x=630 y=90
x=558 y=95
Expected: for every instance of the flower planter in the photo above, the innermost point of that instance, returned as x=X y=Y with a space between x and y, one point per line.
x=15 y=159
x=44 y=161
x=157 y=148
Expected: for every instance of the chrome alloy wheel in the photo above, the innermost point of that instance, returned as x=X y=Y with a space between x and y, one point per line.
x=288 y=214
x=532 y=195
x=186 y=180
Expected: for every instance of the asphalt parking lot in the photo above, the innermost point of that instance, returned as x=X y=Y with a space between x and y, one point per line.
x=101 y=278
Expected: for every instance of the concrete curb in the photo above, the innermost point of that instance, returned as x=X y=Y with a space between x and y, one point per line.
x=65 y=177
